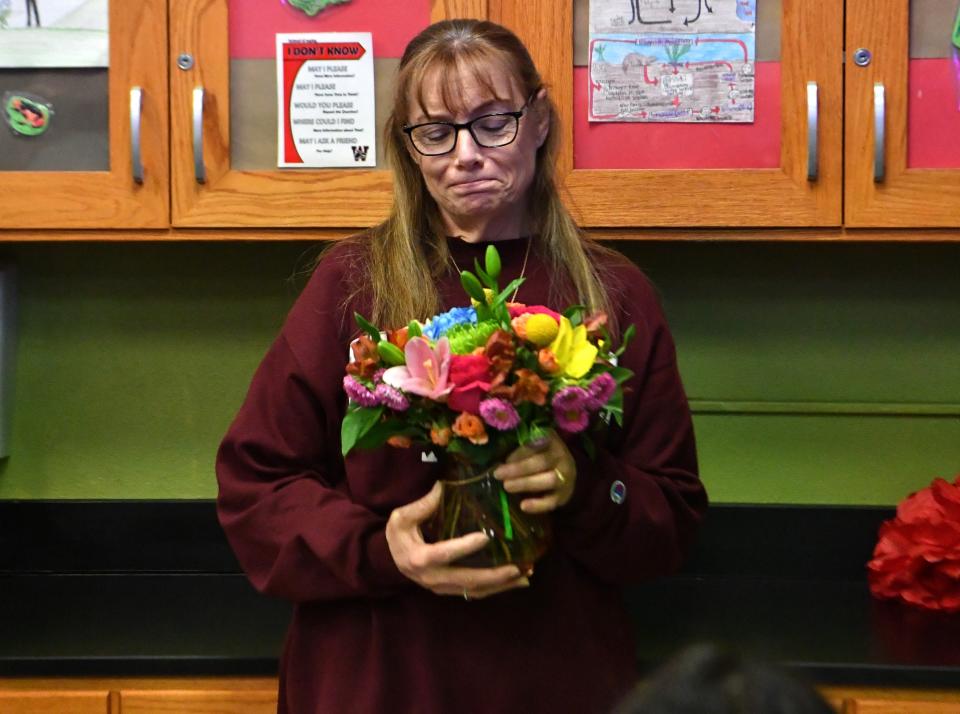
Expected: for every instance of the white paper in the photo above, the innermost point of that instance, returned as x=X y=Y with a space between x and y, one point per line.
x=325 y=90
x=672 y=60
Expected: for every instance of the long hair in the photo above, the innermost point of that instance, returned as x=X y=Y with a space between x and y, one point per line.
x=408 y=252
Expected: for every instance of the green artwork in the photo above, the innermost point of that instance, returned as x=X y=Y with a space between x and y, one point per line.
x=312 y=7
x=956 y=30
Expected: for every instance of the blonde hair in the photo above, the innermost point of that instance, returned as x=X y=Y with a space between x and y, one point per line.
x=408 y=252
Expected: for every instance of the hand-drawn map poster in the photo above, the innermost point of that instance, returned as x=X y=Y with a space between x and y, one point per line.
x=672 y=60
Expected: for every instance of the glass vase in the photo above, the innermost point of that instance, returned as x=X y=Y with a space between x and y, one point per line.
x=472 y=500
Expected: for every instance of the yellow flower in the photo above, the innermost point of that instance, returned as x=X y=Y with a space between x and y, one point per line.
x=489 y=295
x=573 y=350
x=541 y=330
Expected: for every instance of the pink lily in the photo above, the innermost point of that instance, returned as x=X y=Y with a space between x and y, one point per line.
x=426 y=372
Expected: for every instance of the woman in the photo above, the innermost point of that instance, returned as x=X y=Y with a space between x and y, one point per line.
x=384 y=622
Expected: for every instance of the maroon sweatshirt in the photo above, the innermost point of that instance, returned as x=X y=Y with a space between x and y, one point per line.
x=308 y=526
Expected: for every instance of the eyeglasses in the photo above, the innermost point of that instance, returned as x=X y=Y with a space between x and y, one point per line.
x=490 y=131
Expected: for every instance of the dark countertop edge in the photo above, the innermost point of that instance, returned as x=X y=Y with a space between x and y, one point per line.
x=131 y=666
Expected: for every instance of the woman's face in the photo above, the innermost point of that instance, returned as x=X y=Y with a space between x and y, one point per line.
x=474 y=184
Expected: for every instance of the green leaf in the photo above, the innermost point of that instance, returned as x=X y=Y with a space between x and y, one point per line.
x=357 y=422
x=485 y=278
x=413 y=329
x=627 y=336
x=473 y=287
x=588 y=447
x=574 y=313
x=492 y=260
x=621 y=374
x=390 y=353
x=367 y=327
x=383 y=430
x=502 y=297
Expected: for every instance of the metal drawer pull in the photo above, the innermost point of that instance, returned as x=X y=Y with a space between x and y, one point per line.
x=198 y=168
x=813 y=111
x=136 y=104
x=879 y=125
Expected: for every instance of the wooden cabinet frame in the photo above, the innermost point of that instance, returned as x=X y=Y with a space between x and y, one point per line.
x=905 y=197
x=811 y=51
x=110 y=199
x=269 y=198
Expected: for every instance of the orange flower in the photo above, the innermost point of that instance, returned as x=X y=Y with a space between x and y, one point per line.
x=440 y=435
x=400 y=441
x=501 y=352
x=470 y=427
x=548 y=361
x=399 y=337
x=519 y=325
x=365 y=358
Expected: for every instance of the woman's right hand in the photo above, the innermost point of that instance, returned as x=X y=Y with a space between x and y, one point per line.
x=429 y=564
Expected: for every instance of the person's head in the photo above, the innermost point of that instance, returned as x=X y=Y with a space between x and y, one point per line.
x=706 y=679
x=456 y=72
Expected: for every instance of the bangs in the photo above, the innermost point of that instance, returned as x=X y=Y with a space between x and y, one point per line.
x=446 y=69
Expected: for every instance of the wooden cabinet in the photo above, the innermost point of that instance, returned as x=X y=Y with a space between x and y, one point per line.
x=881 y=187
x=128 y=695
x=54 y=702
x=811 y=189
x=198 y=702
x=811 y=42
x=879 y=700
x=111 y=198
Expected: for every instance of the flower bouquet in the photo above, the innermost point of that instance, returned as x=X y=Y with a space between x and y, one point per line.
x=476 y=382
x=917 y=556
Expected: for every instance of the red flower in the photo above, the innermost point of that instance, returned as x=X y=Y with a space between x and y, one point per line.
x=917 y=557
x=366 y=359
x=516 y=310
x=471 y=378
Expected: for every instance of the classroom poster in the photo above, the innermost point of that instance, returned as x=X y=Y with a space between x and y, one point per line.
x=672 y=60
x=325 y=92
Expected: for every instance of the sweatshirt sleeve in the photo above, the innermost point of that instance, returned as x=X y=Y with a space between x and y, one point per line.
x=636 y=507
x=283 y=502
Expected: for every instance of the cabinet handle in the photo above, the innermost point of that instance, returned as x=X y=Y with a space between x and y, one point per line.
x=813 y=111
x=198 y=168
x=879 y=126
x=136 y=104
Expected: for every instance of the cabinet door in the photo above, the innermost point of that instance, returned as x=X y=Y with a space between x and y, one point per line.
x=902 y=114
x=198 y=702
x=783 y=169
x=54 y=702
x=79 y=172
x=231 y=43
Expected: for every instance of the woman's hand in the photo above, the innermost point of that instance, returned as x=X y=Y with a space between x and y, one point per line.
x=547 y=469
x=429 y=564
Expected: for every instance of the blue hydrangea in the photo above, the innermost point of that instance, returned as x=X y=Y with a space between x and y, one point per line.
x=439 y=324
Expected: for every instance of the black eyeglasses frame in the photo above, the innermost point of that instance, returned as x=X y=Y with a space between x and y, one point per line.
x=408 y=130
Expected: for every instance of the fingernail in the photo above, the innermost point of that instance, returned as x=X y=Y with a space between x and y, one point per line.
x=539 y=443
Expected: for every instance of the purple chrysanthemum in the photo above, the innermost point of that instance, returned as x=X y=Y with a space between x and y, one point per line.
x=570 y=409
x=358 y=392
x=499 y=413
x=378 y=375
x=392 y=398
x=600 y=390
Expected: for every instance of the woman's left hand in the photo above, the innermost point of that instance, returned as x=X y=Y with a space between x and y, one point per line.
x=547 y=470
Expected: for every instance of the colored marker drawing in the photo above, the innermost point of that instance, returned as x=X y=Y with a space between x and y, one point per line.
x=672 y=60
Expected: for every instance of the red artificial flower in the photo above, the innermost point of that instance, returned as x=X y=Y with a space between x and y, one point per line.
x=471 y=377
x=917 y=556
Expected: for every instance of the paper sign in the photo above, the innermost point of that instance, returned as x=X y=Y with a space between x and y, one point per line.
x=326 y=100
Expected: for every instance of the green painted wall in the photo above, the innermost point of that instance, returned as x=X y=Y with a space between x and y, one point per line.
x=819 y=373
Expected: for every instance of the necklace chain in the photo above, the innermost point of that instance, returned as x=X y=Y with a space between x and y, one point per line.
x=523 y=269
